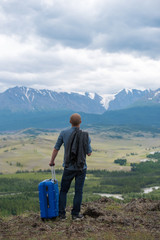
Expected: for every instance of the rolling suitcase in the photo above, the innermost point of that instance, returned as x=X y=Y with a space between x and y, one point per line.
x=49 y=197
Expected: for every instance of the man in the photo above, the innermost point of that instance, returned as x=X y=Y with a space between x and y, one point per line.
x=76 y=146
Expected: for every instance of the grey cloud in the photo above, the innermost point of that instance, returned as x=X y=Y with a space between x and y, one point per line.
x=59 y=32
x=130 y=26
x=125 y=25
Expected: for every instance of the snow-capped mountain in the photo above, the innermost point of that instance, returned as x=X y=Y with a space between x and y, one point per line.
x=133 y=97
x=24 y=99
x=29 y=99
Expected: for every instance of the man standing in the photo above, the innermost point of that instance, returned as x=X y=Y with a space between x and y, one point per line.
x=76 y=146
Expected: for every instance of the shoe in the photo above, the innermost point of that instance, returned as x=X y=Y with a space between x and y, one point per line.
x=62 y=217
x=77 y=217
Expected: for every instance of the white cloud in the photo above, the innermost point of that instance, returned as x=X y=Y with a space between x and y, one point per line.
x=67 y=69
x=96 y=45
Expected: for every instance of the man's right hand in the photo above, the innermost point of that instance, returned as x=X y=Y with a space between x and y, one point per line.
x=54 y=154
x=52 y=163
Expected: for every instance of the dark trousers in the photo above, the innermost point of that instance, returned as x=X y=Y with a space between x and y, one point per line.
x=68 y=176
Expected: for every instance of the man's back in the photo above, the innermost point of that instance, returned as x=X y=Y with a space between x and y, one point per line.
x=64 y=138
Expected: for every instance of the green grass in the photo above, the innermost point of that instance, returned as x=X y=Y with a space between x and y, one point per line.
x=19 y=192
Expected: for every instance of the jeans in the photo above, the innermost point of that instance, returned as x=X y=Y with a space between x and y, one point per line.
x=68 y=176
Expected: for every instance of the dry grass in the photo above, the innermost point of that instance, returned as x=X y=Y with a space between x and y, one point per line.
x=34 y=152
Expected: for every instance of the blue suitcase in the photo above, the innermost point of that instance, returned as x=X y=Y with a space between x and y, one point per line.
x=49 y=197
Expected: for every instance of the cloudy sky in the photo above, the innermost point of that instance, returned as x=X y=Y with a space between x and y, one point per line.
x=80 y=45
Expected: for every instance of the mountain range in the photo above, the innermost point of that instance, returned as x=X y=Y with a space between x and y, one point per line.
x=22 y=107
x=22 y=99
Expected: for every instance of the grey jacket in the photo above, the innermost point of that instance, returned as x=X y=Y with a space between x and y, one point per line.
x=76 y=149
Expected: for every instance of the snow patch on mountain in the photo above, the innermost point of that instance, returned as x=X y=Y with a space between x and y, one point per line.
x=128 y=90
x=49 y=93
x=25 y=92
x=157 y=93
x=91 y=95
x=74 y=92
x=80 y=93
x=106 y=98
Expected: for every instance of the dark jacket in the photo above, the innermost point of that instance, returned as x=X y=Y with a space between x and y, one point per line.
x=76 y=149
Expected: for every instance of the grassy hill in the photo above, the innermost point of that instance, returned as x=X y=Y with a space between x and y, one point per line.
x=104 y=219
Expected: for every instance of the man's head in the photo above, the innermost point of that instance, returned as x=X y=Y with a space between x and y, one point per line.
x=75 y=120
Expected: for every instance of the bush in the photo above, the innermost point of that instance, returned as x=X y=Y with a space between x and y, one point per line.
x=120 y=161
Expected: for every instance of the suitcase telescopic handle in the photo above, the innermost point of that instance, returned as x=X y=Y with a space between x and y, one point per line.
x=53 y=173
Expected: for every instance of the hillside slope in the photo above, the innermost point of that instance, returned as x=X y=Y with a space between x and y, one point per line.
x=104 y=219
x=142 y=116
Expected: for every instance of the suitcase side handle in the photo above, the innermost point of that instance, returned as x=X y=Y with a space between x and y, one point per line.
x=53 y=174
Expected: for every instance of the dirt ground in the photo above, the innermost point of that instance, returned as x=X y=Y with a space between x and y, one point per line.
x=103 y=219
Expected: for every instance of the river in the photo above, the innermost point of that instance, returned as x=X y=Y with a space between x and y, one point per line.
x=119 y=196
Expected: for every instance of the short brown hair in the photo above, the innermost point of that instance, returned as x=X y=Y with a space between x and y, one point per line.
x=75 y=119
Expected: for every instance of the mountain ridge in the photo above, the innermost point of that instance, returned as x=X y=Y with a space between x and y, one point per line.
x=29 y=99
